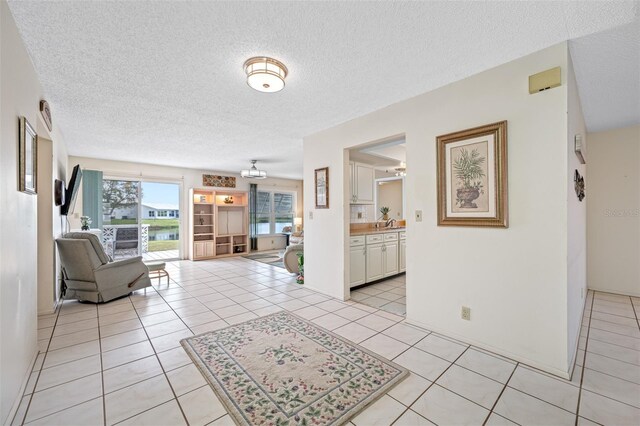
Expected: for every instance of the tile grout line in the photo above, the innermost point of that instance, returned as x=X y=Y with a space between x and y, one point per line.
x=163 y=371
x=104 y=401
x=584 y=358
x=44 y=359
x=634 y=311
x=506 y=384
x=431 y=385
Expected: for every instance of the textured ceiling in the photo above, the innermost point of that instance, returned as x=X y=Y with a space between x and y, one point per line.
x=162 y=82
x=607 y=68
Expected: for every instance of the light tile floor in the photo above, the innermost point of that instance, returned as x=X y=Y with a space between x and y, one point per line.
x=122 y=363
x=387 y=295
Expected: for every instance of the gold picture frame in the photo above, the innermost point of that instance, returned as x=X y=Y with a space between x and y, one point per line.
x=27 y=157
x=322 y=188
x=472 y=177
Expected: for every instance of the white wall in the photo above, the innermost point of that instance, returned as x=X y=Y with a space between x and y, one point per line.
x=515 y=279
x=20 y=93
x=576 y=218
x=189 y=178
x=613 y=219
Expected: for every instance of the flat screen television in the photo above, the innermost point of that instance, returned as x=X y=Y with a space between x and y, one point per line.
x=72 y=191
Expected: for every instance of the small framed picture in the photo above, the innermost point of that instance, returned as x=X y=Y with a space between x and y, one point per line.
x=472 y=177
x=322 y=188
x=27 y=157
x=203 y=198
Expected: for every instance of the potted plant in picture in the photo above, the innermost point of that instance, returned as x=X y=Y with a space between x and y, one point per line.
x=85 y=221
x=468 y=169
x=385 y=212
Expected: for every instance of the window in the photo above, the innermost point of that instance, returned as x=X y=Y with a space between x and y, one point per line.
x=275 y=210
x=162 y=213
x=152 y=213
x=172 y=213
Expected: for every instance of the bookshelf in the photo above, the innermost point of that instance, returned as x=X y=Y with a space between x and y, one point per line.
x=219 y=223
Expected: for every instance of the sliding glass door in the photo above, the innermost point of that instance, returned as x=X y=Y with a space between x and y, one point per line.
x=141 y=218
x=120 y=218
x=161 y=215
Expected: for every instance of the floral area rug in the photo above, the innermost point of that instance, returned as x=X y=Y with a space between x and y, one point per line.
x=283 y=370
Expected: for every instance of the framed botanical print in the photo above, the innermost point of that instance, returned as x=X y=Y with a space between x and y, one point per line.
x=472 y=177
x=322 y=188
x=27 y=157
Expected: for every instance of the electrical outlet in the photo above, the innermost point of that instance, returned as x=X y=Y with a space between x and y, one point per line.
x=418 y=215
x=311 y=215
x=582 y=293
x=466 y=313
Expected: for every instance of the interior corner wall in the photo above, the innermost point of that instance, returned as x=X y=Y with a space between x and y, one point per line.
x=514 y=280
x=613 y=216
x=188 y=178
x=20 y=94
x=576 y=218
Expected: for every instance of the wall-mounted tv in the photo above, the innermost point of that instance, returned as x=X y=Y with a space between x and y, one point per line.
x=72 y=191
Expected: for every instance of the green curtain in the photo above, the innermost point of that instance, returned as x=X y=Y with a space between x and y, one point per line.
x=253 y=209
x=92 y=196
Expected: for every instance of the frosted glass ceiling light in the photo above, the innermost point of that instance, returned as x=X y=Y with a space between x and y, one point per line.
x=253 y=172
x=265 y=74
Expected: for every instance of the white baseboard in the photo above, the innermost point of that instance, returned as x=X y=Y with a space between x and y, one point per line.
x=489 y=348
x=633 y=294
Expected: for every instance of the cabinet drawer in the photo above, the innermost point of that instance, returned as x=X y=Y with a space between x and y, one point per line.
x=391 y=237
x=403 y=235
x=356 y=241
x=375 y=238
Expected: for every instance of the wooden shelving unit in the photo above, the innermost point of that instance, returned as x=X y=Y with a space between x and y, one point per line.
x=219 y=223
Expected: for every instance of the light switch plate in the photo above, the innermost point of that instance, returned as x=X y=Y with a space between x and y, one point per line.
x=311 y=215
x=418 y=215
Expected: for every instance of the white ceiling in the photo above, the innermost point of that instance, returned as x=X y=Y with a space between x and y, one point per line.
x=162 y=82
x=607 y=68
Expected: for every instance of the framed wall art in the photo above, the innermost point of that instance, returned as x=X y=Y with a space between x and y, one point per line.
x=322 y=188
x=219 y=181
x=472 y=177
x=27 y=157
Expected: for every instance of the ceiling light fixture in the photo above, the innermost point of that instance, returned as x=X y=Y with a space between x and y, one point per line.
x=253 y=172
x=265 y=74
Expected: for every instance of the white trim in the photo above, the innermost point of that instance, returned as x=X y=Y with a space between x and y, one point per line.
x=489 y=348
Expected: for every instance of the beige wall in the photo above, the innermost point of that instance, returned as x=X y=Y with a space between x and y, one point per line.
x=389 y=194
x=613 y=220
x=187 y=178
x=514 y=280
x=20 y=93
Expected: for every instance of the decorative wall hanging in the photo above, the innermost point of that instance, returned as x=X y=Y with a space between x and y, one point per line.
x=27 y=157
x=322 y=188
x=46 y=114
x=578 y=183
x=219 y=181
x=472 y=177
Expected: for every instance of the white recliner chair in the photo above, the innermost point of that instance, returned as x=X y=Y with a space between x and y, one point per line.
x=89 y=274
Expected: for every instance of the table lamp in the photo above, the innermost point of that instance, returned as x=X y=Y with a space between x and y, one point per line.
x=298 y=223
